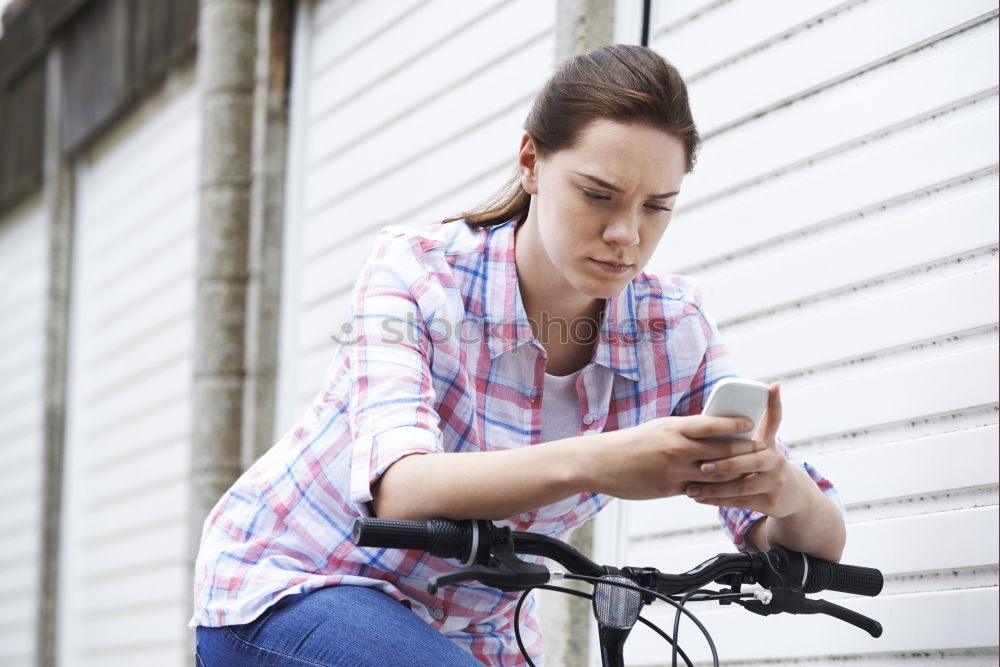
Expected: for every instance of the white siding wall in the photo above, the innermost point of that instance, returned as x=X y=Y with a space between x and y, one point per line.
x=24 y=264
x=843 y=221
x=396 y=120
x=124 y=577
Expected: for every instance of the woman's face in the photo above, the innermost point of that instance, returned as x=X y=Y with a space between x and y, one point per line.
x=600 y=207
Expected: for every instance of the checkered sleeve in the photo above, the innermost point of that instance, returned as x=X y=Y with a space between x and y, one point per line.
x=392 y=395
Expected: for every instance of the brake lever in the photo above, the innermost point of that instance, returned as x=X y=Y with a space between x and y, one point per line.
x=795 y=602
x=869 y=625
x=458 y=576
x=506 y=575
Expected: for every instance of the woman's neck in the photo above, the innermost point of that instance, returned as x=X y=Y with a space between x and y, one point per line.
x=562 y=319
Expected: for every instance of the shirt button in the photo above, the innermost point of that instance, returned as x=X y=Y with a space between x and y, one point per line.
x=525 y=517
x=438 y=614
x=588 y=420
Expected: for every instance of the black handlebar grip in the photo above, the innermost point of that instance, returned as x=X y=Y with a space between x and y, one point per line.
x=439 y=537
x=824 y=575
x=450 y=539
x=390 y=533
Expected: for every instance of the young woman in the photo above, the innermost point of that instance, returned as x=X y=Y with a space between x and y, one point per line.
x=517 y=365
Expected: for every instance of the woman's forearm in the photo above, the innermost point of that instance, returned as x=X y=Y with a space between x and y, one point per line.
x=484 y=485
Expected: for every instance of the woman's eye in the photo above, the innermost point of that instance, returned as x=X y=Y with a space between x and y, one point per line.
x=594 y=195
x=659 y=208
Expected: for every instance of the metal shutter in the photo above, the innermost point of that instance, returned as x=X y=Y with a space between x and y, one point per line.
x=843 y=222
x=24 y=275
x=125 y=573
x=396 y=119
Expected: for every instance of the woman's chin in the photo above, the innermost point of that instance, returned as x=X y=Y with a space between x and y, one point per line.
x=604 y=289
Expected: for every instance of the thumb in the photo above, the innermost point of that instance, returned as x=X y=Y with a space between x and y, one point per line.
x=768 y=429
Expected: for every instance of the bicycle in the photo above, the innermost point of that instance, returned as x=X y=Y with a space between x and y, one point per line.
x=488 y=554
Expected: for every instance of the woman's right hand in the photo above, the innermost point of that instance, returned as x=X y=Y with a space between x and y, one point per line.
x=659 y=458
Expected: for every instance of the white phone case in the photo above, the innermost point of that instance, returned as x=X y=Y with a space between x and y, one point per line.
x=738 y=397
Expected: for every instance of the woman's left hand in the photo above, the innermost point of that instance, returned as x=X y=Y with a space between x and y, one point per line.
x=768 y=482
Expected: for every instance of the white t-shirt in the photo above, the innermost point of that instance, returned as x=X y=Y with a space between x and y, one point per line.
x=560 y=407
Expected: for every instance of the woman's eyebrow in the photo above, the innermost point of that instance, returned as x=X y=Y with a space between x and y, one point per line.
x=604 y=184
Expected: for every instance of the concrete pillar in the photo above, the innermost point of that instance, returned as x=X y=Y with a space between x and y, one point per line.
x=274 y=39
x=581 y=25
x=57 y=191
x=227 y=34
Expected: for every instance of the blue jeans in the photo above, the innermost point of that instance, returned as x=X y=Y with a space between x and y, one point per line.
x=333 y=626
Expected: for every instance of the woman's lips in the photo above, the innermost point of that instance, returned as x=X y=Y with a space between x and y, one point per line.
x=611 y=267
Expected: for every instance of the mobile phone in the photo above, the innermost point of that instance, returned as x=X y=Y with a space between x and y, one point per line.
x=738 y=397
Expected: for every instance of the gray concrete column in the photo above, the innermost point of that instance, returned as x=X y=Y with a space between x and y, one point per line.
x=227 y=34
x=581 y=25
x=274 y=38
x=57 y=192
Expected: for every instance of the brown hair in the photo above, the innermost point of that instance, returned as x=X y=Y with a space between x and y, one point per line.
x=624 y=83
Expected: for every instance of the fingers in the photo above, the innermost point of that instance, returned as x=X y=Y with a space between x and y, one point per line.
x=760 y=460
x=772 y=416
x=697 y=427
x=712 y=450
x=714 y=479
x=751 y=484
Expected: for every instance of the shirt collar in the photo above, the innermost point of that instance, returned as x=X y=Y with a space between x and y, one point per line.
x=506 y=321
x=617 y=345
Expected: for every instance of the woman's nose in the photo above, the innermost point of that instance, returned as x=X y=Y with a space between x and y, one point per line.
x=623 y=231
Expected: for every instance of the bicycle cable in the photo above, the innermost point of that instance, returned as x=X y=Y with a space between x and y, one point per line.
x=677 y=625
x=666 y=598
x=560 y=589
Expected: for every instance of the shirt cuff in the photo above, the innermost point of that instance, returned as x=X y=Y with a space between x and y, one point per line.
x=372 y=455
x=746 y=519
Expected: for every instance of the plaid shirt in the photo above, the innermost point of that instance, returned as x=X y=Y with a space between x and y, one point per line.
x=441 y=358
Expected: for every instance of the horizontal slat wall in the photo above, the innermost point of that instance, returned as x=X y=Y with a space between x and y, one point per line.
x=403 y=113
x=843 y=222
x=123 y=590
x=24 y=266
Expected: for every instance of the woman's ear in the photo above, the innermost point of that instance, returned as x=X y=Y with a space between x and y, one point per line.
x=527 y=165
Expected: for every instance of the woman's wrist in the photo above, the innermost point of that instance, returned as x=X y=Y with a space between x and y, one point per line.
x=593 y=456
x=575 y=463
x=799 y=492
x=815 y=526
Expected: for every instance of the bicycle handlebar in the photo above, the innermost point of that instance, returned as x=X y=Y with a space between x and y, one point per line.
x=489 y=555
x=471 y=542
